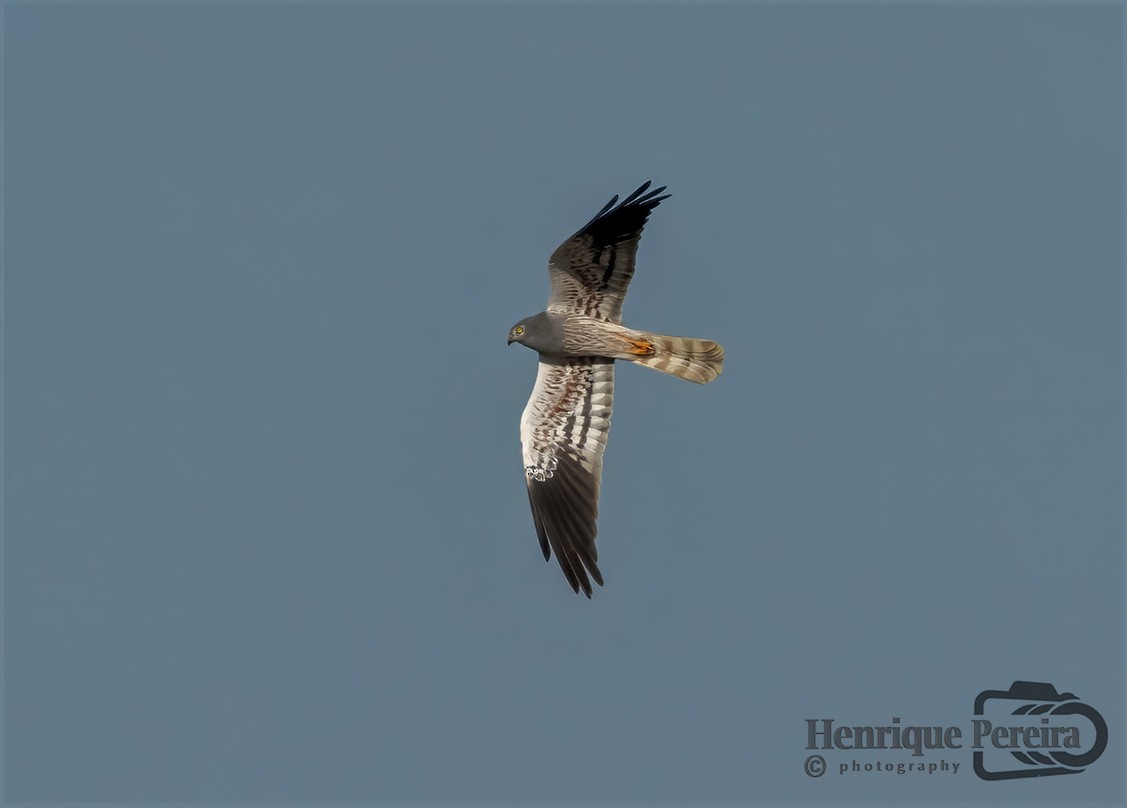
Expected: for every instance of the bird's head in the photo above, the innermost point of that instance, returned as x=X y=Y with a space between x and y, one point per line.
x=517 y=332
x=541 y=332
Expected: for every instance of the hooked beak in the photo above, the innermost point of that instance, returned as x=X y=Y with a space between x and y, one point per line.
x=510 y=340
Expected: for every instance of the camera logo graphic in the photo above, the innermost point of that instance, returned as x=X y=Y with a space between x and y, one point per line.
x=1031 y=730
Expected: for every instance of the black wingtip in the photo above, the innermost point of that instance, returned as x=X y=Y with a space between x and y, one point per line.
x=606 y=207
x=564 y=510
x=629 y=214
x=637 y=193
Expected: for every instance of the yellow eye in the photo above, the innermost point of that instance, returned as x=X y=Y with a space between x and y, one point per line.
x=518 y=330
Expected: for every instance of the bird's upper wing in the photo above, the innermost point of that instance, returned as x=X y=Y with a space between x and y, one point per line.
x=563 y=433
x=591 y=270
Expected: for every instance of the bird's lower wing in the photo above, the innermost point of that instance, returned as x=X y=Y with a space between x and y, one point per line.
x=563 y=433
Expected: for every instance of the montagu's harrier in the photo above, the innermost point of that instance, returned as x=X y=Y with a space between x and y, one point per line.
x=563 y=431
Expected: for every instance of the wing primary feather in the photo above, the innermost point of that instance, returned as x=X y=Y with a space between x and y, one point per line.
x=653 y=198
x=538 y=520
x=558 y=530
x=572 y=529
x=568 y=571
x=563 y=510
x=543 y=512
x=641 y=189
x=571 y=564
x=567 y=535
x=606 y=207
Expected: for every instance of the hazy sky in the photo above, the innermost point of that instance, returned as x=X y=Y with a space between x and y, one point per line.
x=266 y=534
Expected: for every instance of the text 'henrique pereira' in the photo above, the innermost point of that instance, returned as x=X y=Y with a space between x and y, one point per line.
x=822 y=734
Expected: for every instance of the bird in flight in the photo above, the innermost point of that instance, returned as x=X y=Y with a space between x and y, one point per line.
x=563 y=431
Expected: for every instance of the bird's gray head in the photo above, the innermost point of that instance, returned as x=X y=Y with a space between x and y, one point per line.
x=517 y=332
x=542 y=332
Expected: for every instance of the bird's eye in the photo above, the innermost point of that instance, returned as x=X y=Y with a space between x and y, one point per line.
x=518 y=330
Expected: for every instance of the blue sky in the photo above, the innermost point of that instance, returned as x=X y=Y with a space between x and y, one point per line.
x=266 y=536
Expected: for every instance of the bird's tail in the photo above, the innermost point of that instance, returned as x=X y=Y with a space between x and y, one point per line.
x=698 y=360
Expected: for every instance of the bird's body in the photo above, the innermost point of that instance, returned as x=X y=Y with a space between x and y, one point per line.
x=579 y=337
